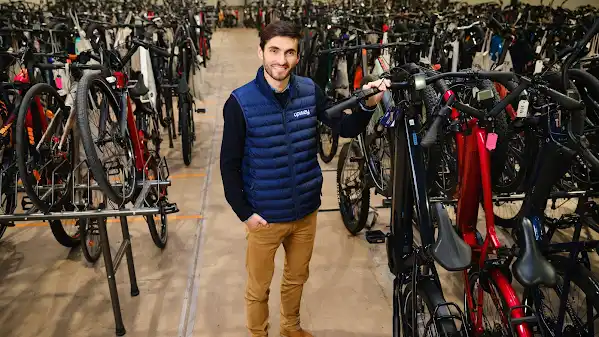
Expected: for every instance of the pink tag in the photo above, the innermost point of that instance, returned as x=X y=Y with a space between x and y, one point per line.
x=491 y=141
x=58 y=82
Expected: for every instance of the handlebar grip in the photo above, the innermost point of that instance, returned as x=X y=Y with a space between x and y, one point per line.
x=431 y=135
x=337 y=109
x=440 y=84
x=365 y=93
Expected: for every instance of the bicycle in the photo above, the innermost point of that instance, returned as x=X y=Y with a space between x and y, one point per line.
x=135 y=136
x=412 y=264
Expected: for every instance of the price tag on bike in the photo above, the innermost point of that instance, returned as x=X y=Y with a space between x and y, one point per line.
x=491 y=141
x=522 y=109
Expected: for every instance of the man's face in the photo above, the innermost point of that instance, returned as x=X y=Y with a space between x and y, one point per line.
x=279 y=57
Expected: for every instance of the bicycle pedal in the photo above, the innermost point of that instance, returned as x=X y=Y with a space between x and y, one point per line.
x=355 y=159
x=375 y=236
x=171 y=208
x=387 y=202
x=112 y=167
x=26 y=203
x=201 y=110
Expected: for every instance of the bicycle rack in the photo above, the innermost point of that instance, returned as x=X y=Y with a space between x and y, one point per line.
x=82 y=207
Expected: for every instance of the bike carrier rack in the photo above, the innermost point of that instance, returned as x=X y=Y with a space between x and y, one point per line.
x=455 y=315
x=82 y=207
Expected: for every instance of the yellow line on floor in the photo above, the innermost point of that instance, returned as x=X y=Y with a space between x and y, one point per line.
x=112 y=220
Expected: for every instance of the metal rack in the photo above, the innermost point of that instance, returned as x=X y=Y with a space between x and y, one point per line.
x=81 y=207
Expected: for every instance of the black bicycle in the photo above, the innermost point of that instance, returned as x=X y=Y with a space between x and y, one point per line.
x=417 y=287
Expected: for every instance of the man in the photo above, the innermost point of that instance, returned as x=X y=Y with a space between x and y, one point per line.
x=271 y=175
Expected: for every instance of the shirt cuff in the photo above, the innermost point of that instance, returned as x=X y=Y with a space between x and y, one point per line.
x=244 y=214
x=367 y=108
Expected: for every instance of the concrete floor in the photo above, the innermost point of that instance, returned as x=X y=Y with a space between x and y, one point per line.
x=195 y=287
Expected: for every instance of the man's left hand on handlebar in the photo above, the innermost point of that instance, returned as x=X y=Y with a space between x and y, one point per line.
x=382 y=85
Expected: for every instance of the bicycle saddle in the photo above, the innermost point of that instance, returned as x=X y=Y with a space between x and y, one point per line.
x=139 y=89
x=531 y=268
x=450 y=251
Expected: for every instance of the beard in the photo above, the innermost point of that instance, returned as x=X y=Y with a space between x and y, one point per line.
x=278 y=73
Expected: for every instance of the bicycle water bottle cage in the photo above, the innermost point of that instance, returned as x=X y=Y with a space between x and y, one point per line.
x=450 y=251
x=531 y=268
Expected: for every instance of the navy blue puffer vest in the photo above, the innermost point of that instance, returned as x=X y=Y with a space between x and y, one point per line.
x=281 y=175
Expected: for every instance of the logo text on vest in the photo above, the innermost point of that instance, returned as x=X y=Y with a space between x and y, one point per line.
x=304 y=112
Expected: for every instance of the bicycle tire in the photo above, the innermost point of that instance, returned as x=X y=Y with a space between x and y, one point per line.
x=582 y=277
x=158 y=65
x=85 y=228
x=61 y=235
x=186 y=134
x=23 y=147
x=93 y=161
x=374 y=164
x=354 y=226
x=473 y=278
x=184 y=114
x=159 y=239
x=327 y=157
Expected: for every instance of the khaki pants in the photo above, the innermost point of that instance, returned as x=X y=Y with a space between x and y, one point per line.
x=297 y=238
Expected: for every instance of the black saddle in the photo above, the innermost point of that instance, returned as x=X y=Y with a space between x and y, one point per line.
x=531 y=268
x=449 y=250
x=139 y=89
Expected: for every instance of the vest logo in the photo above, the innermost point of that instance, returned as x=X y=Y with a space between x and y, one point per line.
x=304 y=112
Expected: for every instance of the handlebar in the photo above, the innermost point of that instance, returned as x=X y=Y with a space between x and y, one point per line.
x=157 y=50
x=416 y=83
x=369 y=47
x=54 y=66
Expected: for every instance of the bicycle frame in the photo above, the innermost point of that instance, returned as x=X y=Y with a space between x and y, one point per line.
x=126 y=115
x=474 y=165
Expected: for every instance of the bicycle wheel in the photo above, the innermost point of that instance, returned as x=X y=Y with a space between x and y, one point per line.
x=44 y=164
x=8 y=201
x=185 y=118
x=158 y=226
x=90 y=238
x=353 y=193
x=496 y=310
x=98 y=118
x=583 y=292
x=326 y=136
x=379 y=149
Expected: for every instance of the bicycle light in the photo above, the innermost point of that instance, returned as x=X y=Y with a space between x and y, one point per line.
x=420 y=81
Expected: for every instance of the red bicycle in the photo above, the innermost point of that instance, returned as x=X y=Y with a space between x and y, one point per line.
x=489 y=275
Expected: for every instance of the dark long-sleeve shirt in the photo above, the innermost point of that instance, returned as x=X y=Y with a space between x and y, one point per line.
x=233 y=143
